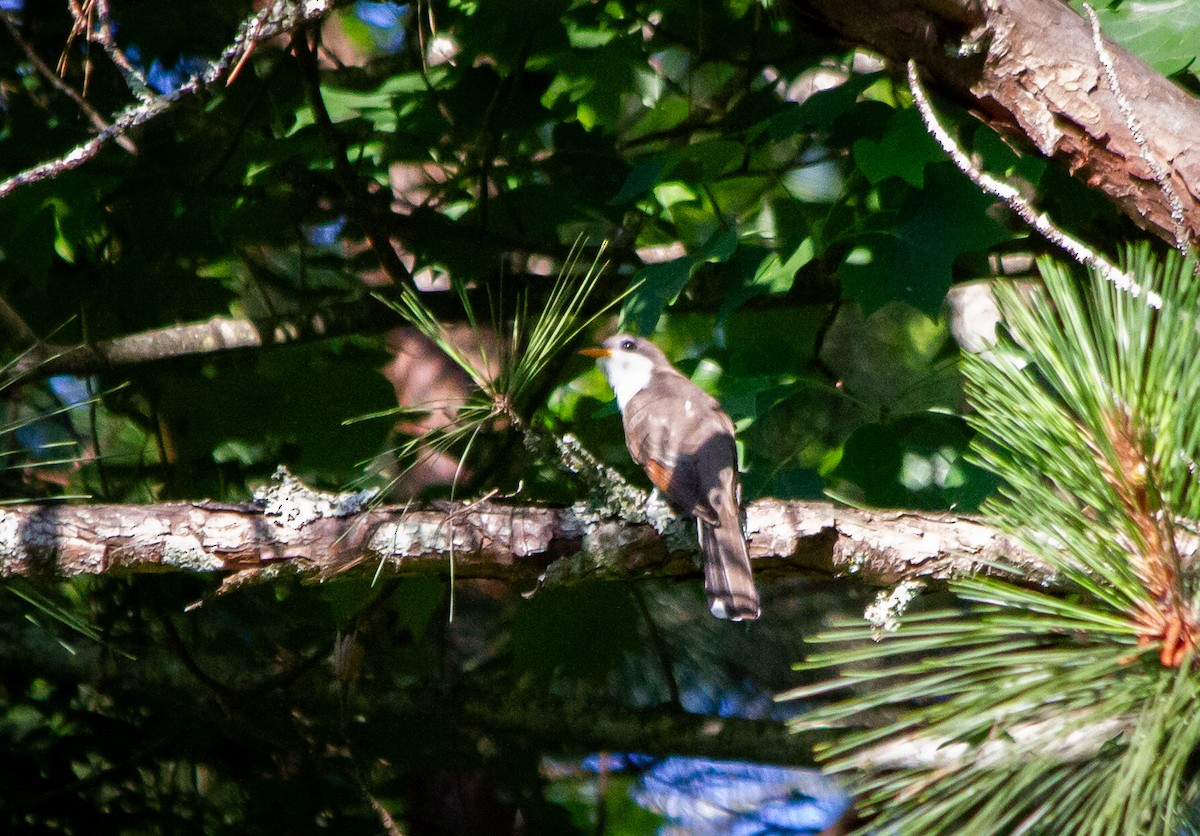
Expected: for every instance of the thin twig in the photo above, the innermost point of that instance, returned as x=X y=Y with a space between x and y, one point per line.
x=58 y=84
x=80 y=26
x=281 y=16
x=102 y=34
x=661 y=649
x=348 y=179
x=14 y=330
x=1161 y=175
x=1077 y=249
x=251 y=42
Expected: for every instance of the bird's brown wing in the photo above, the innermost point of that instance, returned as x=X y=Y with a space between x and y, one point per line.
x=684 y=441
x=679 y=435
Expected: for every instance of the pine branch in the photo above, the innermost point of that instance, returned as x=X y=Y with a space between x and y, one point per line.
x=1087 y=416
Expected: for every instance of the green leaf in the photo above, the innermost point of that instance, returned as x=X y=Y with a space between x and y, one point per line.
x=654 y=287
x=643 y=177
x=934 y=471
x=904 y=150
x=31 y=246
x=817 y=182
x=871 y=459
x=721 y=246
x=1164 y=33
x=912 y=263
x=667 y=113
x=820 y=110
x=999 y=156
x=709 y=160
x=416 y=601
x=594 y=77
x=772 y=277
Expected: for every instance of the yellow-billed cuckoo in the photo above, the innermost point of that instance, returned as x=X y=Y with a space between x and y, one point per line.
x=678 y=433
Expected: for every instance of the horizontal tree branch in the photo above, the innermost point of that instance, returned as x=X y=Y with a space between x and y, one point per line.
x=309 y=534
x=218 y=334
x=221 y=333
x=1062 y=737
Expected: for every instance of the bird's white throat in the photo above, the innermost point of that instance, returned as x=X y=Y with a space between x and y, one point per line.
x=627 y=374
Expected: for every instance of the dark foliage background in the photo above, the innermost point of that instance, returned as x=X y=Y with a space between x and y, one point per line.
x=790 y=232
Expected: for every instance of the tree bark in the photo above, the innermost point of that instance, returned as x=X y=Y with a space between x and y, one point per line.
x=485 y=540
x=1029 y=68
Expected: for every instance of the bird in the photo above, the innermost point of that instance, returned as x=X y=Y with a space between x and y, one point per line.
x=684 y=441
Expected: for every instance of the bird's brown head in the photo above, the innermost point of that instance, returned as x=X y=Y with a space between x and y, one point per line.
x=627 y=362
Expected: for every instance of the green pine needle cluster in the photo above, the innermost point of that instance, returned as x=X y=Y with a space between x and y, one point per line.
x=1072 y=709
x=506 y=383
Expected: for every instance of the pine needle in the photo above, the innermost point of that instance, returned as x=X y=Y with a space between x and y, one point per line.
x=1035 y=711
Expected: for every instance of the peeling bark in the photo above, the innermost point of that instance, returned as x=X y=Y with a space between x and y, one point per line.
x=516 y=544
x=1029 y=68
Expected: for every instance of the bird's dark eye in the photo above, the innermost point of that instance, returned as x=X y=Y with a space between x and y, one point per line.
x=628 y=345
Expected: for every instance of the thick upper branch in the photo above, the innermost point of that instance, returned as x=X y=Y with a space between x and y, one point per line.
x=1030 y=68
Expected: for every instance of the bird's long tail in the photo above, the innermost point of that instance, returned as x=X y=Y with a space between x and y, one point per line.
x=727 y=577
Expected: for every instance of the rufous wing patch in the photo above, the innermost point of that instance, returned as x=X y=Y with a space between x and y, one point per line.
x=660 y=475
